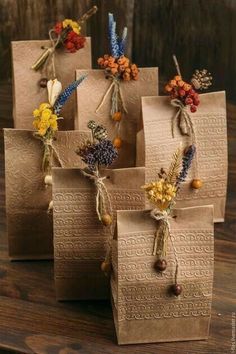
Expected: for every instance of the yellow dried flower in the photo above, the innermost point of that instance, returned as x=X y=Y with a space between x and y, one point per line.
x=160 y=193
x=45 y=119
x=73 y=24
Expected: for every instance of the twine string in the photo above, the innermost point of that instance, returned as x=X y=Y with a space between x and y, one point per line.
x=163 y=233
x=117 y=100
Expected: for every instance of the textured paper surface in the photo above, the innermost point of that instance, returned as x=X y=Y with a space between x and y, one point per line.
x=144 y=309
x=30 y=234
x=90 y=95
x=79 y=238
x=156 y=146
x=27 y=95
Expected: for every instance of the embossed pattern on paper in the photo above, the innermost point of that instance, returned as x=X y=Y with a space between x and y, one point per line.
x=80 y=240
x=27 y=198
x=141 y=293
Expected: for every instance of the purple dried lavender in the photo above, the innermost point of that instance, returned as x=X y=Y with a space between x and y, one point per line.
x=102 y=153
x=186 y=164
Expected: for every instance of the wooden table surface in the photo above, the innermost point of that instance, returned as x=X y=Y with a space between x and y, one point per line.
x=32 y=321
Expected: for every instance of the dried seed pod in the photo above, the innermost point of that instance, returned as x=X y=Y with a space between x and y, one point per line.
x=201 y=79
x=92 y=124
x=100 y=133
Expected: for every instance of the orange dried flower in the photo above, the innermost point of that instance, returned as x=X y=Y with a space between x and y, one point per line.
x=172 y=83
x=177 y=78
x=187 y=87
x=168 y=88
x=126 y=76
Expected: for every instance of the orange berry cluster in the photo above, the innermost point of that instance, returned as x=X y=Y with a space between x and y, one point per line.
x=177 y=88
x=120 y=67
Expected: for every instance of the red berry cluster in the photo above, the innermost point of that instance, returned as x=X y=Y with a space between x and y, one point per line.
x=177 y=88
x=74 y=42
x=71 y=40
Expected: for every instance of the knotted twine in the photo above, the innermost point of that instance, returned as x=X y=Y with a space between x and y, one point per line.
x=161 y=237
x=103 y=204
x=117 y=100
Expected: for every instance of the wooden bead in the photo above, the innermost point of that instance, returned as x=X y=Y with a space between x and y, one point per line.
x=106 y=267
x=116 y=116
x=176 y=289
x=160 y=265
x=43 y=82
x=196 y=183
x=117 y=143
x=106 y=219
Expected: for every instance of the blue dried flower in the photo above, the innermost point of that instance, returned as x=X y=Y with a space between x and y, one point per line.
x=117 y=47
x=102 y=153
x=63 y=97
x=186 y=163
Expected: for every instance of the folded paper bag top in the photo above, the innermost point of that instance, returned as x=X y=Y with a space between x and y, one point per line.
x=30 y=234
x=91 y=94
x=155 y=145
x=80 y=239
x=27 y=93
x=143 y=307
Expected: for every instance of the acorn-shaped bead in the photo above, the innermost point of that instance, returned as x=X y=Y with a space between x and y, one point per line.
x=117 y=142
x=43 y=82
x=160 y=265
x=106 y=219
x=106 y=267
x=100 y=133
x=176 y=289
x=196 y=183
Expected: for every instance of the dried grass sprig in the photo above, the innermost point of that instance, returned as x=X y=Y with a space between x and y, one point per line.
x=174 y=170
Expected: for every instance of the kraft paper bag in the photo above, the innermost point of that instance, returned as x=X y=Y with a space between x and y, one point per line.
x=27 y=94
x=144 y=309
x=90 y=95
x=80 y=240
x=155 y=146
x=30 y=227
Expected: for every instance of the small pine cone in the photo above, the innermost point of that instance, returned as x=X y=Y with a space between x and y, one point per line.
x=92 y=124
x=100 y=133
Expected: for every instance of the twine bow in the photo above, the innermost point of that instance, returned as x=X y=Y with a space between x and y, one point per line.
x=48 y=54
x=48 y=154
x=103 y=200
x=117 y=100
x=162 y=232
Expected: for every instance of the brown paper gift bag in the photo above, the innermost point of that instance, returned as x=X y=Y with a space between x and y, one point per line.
x=27 y=95
x=90 y=95
x=144 y=310
x=80 y=240
x=30 y=231
x=155 y=146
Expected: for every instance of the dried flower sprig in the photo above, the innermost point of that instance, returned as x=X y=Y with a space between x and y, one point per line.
x=46 y=119
x=162 y=194
x=67 y=34
x=117 y=68
x=98 y=153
